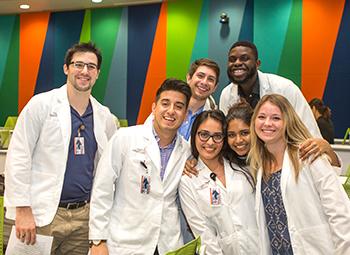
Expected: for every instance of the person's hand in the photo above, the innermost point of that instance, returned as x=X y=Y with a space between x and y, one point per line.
x=190 y=167
x=25 y=225
x=100 y=249
x=314 y=147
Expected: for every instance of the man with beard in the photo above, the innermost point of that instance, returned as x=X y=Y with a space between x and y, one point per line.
x=203 y=78
x=56 y=144
x=251 y=84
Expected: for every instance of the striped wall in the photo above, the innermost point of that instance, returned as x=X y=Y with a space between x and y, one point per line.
x=306 y=41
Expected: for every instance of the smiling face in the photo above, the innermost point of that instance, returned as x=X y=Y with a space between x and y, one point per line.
x=269 y=125
x=238 y=136
x=169 y=111
x=81 y=80
x=242 y=65
x=203 y=82
x=209 y=150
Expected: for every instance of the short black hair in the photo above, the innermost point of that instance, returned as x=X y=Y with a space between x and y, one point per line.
x=175 y=85
x=83 y=47
x=247 y=44
x=217 y=115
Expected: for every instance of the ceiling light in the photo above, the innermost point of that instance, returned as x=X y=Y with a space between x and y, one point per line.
x=96 y=1
x=24 y=6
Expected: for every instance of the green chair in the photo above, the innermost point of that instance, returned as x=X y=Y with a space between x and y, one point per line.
x=6 y=131
x=191 y=248
x=346 y=184
x=346 y=136
x=123 y=122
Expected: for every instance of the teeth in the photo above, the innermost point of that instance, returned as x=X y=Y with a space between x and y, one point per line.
x=238 y=72
x=170 y=119
x=202 y=88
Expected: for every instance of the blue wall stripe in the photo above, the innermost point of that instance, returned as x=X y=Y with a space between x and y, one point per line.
x=63 y=31
x=116 y=90
x=142 y=26
x=336 y=94
x=6 y=28
x=221 y=37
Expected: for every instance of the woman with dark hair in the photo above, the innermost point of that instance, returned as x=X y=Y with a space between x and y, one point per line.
x=322 y=115
x=219 y=203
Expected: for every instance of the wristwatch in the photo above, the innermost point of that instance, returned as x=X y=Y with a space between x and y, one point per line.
x=96 y=242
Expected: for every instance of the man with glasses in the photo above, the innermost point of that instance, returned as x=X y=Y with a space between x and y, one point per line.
x=56 y=144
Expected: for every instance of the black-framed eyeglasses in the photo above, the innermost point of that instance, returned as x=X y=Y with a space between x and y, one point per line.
x=80 y=65
x=204 y=136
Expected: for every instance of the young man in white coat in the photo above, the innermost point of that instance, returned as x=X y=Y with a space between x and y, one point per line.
x=133 y=208
x=203 y=78
x=57 y=141
x=251 y=84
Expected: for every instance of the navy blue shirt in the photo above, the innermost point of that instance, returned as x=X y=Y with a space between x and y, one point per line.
x=78 y=177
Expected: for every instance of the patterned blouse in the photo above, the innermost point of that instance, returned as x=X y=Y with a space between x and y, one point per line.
x=276 y=217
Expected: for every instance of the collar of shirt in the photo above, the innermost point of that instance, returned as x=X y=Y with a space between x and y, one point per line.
x=185 y=128
x=169 y=146
x=253 y=97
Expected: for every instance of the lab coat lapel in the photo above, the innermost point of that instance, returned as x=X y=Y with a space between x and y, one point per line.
x=61 y=108
x=286 y=172
x=151 y=146
x=100 y=136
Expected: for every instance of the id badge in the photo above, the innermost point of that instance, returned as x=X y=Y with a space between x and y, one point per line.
x=79 y=147
x=215 y=197
x=145 y=185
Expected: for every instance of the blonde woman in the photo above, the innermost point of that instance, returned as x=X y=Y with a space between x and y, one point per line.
x=301 y=207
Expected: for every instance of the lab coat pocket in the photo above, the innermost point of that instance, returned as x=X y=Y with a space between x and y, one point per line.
x=317 y=240
x=51 y=134
x=42 y=193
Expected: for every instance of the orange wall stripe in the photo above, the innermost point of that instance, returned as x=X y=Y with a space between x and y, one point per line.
x=321 y=20
x=156 y=72
x=33 y=27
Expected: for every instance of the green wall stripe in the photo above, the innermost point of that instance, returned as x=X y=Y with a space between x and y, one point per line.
x=222 y=36
x=290 y=64
x=183 y=19
x=270 y=28
x=6 y=27
x=116 y=92
x=104 y=29
x=201 y=44
x=9 y=88
x=85 y=35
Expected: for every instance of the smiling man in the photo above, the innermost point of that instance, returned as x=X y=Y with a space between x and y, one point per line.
x=203 y=77
x=57 y=141
x=251 y=84
x=133 y=208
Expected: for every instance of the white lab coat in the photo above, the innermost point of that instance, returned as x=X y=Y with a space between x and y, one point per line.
x=135 y=223
x=37 y=155
x=228 y=229
x=274 y=84
x=317 y=208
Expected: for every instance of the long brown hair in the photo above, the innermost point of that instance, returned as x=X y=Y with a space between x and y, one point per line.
x=295 y=132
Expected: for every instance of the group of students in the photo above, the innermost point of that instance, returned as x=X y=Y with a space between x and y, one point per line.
x=70 y=175
x=275 y=205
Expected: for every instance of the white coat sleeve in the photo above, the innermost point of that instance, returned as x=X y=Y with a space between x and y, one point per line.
x=335 y=203
x=195 y=218
x=19 y=155
x=102 y=197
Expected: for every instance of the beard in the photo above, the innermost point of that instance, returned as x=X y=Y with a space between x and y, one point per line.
x=239 y=81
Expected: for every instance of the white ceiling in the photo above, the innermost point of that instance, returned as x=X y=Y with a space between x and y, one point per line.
x=12 y=6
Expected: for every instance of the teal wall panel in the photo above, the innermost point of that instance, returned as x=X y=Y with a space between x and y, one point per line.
x=6 y=28
x=270 y=28
x=222 y=36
